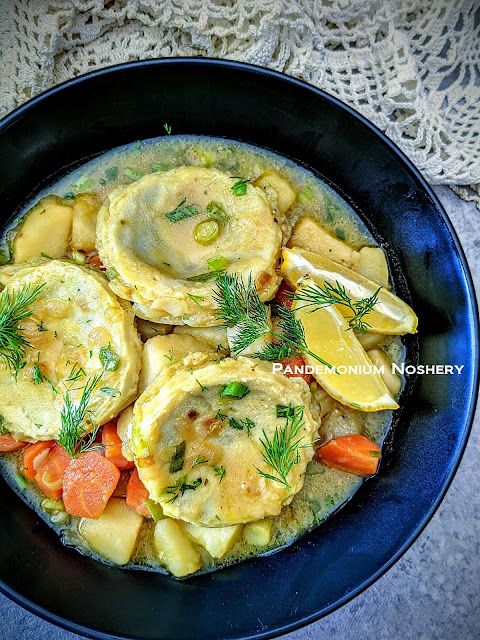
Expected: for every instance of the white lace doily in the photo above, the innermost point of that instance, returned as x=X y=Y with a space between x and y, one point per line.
x=410 y=66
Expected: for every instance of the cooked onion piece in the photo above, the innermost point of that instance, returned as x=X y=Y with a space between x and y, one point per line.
x=148 y=236
x=77 y=330
x=200 y=437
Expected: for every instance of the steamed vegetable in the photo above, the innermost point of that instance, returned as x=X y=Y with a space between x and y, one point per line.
x=113 y=446
x=49 y=475
x=137 y=495
x=174 y=549
x=8 y=444
x=351 y=453
x=34 y=456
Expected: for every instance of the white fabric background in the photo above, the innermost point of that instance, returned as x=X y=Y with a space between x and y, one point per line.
x=411 y=66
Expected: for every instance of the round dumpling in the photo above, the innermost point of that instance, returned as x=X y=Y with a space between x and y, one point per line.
x=157 y=255
x=204 y=454
x=77 y=330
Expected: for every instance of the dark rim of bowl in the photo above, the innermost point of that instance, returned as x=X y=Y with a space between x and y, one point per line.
x=18 y=112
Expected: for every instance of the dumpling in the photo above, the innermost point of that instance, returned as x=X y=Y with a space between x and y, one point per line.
x=202 y=453
x=157 y=255
x=78 y=329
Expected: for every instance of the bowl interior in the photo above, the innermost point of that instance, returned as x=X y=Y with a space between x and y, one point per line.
x=271 y=594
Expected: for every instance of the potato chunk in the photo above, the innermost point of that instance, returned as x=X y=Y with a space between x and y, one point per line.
x=372 y=264
x=114 y=534
x=84 y=222
x=277 y=189
x=258 y=533
x=174 y=549
x=216 y=540
x=162 y=351
x=309 y=234
x=45 y=229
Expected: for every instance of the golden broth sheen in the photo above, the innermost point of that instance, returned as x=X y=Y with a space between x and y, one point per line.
x=325 y=489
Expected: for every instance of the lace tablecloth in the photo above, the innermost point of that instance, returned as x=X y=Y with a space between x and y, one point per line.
x=410 y=66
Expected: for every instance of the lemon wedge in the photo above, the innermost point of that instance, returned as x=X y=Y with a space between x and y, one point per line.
x=390 y=315
x=354 y=382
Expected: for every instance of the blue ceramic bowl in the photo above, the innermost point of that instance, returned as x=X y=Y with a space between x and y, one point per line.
x=270 y=595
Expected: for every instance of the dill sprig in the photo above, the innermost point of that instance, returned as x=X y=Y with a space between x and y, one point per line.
x=317 y=297
x=240 y=306
x=14 y=308
x=73 y=436
x=282 y=451
x=178 y=489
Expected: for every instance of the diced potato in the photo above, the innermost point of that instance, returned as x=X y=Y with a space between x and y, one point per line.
x=341 y=421
x=46 y=229
x=258 y=533
x=370 y=340
x=114 y=534
x=215 y=337
x=148 y=329
x=277 y=189
x=216 y=540
x=392 y=380
x=174 y=548
x=84 y=222
x=372 y=264
x=160 y=352
x=309 y=234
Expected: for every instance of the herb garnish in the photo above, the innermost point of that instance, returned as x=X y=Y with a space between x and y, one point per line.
x=41 y=327
x=38 y=375
x=3 y=427
x=182 y=211
x=317 y=297
x=240 y=187
x=108 y=358
x=239 y=424
x=282 y=452
x=110 y=391
x=239 y=304
x=199 y=460
x=167 y=128
x=220 y=472
x=284 y=411
x=178 y=458
x=196 y=299
x=76 y=373
x=178 y=489
x=72 y=432
x=14 y=308
x=234 y=389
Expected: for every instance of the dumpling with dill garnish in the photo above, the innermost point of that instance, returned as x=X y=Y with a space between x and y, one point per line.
x=68 y=327
x=225 y=443
x=165 y=237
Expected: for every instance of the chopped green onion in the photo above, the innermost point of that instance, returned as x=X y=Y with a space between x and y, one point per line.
x=178 y=458
x=109 y=359
x=159 y=166
x=78 y=257
x=21 y=481
x=111 y=273
x=182 y=211
x=305 y=195
x=284 y=411
x=340 y=233
x=234 y=390
x=240 y=187
x=155 y=509
x=132 y=174
x=111 y=173
x=85 y=182
x=110 y=391
x=217 y=212
x=203 y=277
x=218 y=264
x=206 y=232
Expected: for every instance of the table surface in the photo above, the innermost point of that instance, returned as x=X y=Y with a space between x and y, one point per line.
x=433 y=592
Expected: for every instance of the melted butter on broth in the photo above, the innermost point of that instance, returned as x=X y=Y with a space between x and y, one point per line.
x=325 y=489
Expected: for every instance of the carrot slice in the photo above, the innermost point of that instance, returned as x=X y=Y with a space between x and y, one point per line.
x=137 y=494
x=352 y=453
x=284 y=295
x=8 y=444
x=34 y=456
x=88 y=482
x=113 y=446
x=296 y=368
x=95 y=260
x=49 y=475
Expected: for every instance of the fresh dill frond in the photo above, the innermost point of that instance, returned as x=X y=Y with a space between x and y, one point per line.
x=196 y=299
x=38 y=375
x=282 y=451
x=73 y=436
x=76 y=373
x=178 y=489
x=316 y=297
x=41 y=327
x=15 y=306
x=199 y=460
x=220 y=472
x=235 y=423
x=239 y=306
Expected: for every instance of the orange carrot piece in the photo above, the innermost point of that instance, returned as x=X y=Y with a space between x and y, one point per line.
x=137 y=494
x=284 y=295
x=351 y=453
x=8 y=444
x=95 y=261
x=49 y=475
x=88 y=483
x=34 y=456
x=297 y=366
x=113 y=446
